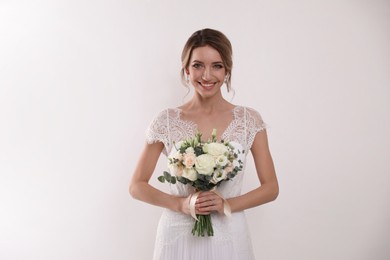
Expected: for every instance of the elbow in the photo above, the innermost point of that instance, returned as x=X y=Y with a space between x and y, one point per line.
x=137 y=189
x=275 y=195
x=133 y=190
x=275 y=192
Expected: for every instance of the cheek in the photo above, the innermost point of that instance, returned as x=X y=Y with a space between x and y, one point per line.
x=195 y=74
x=221 y=75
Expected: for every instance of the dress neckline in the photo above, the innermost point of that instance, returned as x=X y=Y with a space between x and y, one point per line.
x=194 y=125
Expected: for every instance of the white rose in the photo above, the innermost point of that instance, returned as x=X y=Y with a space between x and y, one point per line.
x=190 y=150
x=205 y=164
x=189 y=160
x=218 y=176
x=222 y=160
x=215 y=149
x=175 y=170
x=189 y=173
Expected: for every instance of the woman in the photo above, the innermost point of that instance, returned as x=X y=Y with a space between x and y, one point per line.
x=206 y=66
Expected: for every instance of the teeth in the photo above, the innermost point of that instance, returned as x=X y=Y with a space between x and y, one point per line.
x=208 y=85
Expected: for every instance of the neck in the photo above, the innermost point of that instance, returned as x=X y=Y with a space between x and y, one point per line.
x=208 y=105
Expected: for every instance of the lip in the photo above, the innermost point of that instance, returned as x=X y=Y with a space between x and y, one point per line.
x=207 y=85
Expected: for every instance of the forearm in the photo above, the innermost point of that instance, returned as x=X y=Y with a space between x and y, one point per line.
x=145 y=192
x=261 y=195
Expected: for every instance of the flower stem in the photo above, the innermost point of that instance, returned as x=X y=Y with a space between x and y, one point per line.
x=203 y=226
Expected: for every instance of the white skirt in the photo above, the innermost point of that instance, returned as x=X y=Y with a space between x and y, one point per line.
x=174 y=240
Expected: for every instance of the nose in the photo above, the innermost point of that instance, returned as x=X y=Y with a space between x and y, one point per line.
x=206 y=74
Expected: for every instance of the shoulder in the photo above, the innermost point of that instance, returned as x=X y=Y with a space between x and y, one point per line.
x=253 y=123
x=248 y=111
x=253 y=119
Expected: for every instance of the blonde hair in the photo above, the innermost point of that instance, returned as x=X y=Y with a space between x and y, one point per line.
x=214 y=39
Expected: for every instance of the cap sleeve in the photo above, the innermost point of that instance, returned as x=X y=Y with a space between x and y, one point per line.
x=157 y=130
x=254 y=124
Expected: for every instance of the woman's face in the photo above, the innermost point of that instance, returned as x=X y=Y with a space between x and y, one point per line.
x=206 y=71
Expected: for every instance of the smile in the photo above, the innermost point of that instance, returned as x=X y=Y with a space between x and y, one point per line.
x=207 y=85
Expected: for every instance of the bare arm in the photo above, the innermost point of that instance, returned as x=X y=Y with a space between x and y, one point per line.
x=269 y=189
x=141 y=189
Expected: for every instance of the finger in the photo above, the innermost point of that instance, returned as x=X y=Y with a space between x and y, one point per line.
x=209 y=206
x=208 y=209
x=209 y=197
x=203 y=213
x=205 y=203
x=205 y=210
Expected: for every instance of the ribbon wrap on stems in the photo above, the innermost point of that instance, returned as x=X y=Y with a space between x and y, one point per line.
x=226 y=207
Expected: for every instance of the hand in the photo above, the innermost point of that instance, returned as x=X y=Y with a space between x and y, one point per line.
x=208 y=202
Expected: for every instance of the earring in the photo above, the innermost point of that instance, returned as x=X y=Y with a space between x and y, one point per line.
x=187 y=78
x=226 y=78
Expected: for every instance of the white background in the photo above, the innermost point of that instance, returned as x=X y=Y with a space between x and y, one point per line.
x=81 y=80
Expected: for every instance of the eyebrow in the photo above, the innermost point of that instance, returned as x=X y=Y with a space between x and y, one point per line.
x=216 y=62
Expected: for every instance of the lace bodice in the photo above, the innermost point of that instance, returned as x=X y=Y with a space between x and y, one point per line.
x=168 y=127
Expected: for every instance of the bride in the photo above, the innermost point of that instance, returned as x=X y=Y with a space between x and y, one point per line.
x=207 y=67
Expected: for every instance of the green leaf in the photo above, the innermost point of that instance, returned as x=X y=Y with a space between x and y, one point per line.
x=167 y=175
x=198 y=150
x=161 y=179
x=173 y=180
x=182 y=180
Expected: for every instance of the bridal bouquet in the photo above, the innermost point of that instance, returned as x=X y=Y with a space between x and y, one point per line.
x=204 y=166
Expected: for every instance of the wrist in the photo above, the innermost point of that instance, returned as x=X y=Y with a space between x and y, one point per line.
x=179 y=205
x=231 y=205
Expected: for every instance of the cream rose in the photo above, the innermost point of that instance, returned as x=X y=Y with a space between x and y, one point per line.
x=189 y=173
x=189 y=160
x=177 y=156
x=205 y=164
x=175 y=170
x=215 y=149
x=229 y=168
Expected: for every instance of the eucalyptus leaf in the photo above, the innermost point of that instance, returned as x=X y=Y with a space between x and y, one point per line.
x=167 y=175
x=161 y=179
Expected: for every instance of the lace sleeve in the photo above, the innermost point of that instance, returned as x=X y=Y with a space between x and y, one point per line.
x=158 y=130
x=254 y=124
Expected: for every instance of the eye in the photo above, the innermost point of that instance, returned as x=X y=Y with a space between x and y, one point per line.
x=218 y=66
x=197 y=65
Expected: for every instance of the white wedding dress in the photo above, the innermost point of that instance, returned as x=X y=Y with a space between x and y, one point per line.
x=231 y=240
